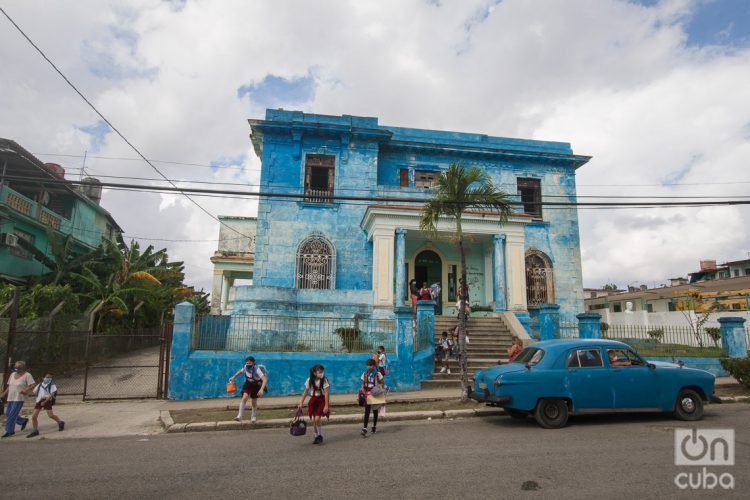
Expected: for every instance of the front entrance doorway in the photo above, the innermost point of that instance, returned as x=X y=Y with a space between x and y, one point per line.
x=428 y=268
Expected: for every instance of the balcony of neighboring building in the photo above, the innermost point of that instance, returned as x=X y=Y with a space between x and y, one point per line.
x=57 y=214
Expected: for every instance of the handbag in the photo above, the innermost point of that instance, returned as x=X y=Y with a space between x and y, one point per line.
x=231 y=387
x=298 y=427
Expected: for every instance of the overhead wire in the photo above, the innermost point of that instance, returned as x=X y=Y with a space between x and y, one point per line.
x=122 y=136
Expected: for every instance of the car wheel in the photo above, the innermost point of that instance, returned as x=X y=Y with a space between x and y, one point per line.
x=516 y=413
x=551 y=413
x=689 y=405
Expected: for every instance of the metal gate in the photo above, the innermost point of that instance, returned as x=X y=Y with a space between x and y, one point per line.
x=133 y=365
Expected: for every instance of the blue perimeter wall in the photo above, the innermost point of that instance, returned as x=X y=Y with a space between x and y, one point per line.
x=204 y=374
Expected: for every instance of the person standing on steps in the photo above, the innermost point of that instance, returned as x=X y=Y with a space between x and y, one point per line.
x=255 y=385
x=373 y=385
x=20 y=383
x=414 y=293
x=46 y=393
x=316 y=386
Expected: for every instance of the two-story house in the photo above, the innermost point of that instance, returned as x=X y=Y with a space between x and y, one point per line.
x=334 y=237
x=34 y=201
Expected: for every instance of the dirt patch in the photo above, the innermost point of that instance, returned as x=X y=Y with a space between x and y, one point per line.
x=223 y=415
x=731 y=390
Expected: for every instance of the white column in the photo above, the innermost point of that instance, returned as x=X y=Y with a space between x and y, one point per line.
x=216 y=292
x=225 y=293
x=516 y=273
x=382 y=268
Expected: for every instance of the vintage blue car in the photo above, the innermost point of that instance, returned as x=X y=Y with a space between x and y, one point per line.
x=556 y=378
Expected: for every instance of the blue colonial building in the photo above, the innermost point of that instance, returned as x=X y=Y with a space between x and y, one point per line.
x=322 y=254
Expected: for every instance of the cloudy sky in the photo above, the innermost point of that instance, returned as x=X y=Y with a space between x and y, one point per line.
x=657 y=91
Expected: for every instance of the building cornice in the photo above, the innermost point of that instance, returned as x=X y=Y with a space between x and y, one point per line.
x=386 y=219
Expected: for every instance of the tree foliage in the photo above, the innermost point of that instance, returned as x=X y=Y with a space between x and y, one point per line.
x=125 y=286
x=457 y=190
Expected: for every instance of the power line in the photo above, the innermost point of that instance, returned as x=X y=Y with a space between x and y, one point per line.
x=190 y=164
x=138 y=152
x=382 y=199
x=167 y=162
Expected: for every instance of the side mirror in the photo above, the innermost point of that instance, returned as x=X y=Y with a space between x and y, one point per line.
x=651 y=366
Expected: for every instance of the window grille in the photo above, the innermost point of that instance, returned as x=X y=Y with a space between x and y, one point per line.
x=316 y=264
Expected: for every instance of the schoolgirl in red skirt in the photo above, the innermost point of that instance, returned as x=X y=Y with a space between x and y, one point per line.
x=316 y=386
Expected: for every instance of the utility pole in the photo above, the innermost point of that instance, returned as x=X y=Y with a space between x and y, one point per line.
x=11 y=334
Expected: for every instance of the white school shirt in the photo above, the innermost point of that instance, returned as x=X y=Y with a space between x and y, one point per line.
x=253 y=374
x=43 y=392
x=317 y=391
x=371 y=378
x=382 y=360
x=16 y=385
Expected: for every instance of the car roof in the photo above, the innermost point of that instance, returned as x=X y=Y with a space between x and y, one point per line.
x=557 y=345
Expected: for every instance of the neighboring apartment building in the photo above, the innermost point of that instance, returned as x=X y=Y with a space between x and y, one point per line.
x=30 y=207
x=712 y=287
x=322 y=255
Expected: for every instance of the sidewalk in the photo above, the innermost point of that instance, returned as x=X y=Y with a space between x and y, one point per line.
x=102 y=419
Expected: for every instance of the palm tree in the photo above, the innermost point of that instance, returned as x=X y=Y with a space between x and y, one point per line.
x=457 y=190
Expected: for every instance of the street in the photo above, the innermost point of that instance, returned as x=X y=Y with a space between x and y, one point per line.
x=614 y=456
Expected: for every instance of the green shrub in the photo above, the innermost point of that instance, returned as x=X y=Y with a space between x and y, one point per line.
x=656 y=334
x=604 y=326
x=715 y=333
x=350 y=338
x=739 y=368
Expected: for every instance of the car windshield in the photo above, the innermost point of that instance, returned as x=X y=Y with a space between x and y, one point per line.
x=530 y=355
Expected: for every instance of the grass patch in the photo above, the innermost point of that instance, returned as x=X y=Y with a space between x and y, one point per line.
x=223 y=415
x=667 y=350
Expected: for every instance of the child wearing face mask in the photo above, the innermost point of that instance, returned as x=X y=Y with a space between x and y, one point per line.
x=316 y=386
x=45 y=393
x=374 y=386
x=255 y=384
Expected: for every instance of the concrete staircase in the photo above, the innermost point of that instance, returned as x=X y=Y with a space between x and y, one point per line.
x=489 y=340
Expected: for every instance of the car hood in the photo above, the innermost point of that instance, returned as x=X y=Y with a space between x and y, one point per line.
x=664 y=364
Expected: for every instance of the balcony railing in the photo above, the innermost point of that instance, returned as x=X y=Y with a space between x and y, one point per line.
x=30 y=208
x=318 y=195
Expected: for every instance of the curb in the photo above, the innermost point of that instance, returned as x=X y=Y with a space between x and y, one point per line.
x=171 y=428
x=734 y=399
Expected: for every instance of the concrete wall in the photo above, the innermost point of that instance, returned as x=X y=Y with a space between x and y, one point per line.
x=675 y=318
x=204 y=374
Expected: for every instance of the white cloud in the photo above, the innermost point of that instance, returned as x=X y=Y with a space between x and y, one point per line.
x=614 y=78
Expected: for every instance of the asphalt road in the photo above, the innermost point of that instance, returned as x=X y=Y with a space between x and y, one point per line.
x=604 y=456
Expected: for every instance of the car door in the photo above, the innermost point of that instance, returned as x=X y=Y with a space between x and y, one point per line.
x=589 y=380
x=634 y=384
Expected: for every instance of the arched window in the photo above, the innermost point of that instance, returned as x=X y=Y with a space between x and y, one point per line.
x=540 y=284
x=316 y=264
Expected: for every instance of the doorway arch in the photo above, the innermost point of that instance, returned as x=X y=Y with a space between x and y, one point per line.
x=428 y=268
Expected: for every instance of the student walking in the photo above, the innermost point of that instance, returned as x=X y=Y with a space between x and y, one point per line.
x=255 y=385
x=445 y=351
x=316 y=386
x=20 y=383
x=373 y=386
x=45 y=393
